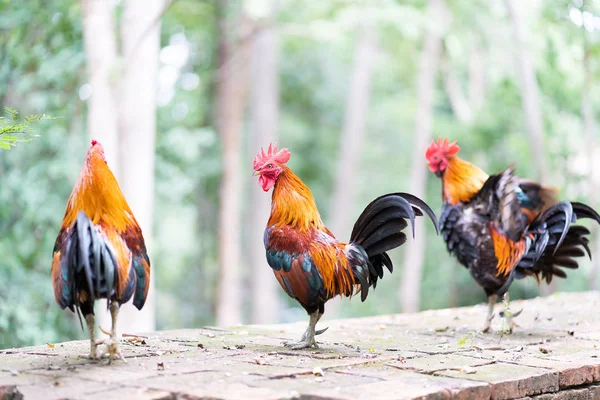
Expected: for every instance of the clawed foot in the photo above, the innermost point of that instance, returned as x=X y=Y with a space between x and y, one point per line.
x=114 y=352
x=509 y=325
x=93 y=351
x=508 y=322
x=302 y=344
x=488 y=324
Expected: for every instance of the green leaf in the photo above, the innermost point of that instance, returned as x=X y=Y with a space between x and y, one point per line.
x=11 y=124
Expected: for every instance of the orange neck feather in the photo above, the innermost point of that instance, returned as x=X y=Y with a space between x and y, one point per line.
x=293 y=204
x=98 y=195
x=461 y=181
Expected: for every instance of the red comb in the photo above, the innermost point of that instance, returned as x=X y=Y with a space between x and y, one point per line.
x=282 y=156
x=94 y=142
x=443 y=148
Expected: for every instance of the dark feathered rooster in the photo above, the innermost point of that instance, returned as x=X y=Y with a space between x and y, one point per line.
x=311 y=265
x=501 y=227
x=100 y=250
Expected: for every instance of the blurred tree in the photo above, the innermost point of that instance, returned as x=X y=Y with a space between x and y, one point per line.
x=530 y=98
x=477 y=74
x=530 y=95
x=458 y=101
x=100 y=43
x=232 y=82
x=436 y=24
x=122 y=114
x=590 y=131
x=353 y=131
x=140 y=45
x=264 y=108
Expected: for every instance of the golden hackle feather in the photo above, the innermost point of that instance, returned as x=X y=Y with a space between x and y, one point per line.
x=98 y=195
x=461 y=181
x=293 y=204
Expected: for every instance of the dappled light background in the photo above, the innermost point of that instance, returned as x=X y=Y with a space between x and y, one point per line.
x=354 y=89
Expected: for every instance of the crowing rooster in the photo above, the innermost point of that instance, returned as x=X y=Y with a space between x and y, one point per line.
x=501 y=227
x=100 y=250
x=311 y=265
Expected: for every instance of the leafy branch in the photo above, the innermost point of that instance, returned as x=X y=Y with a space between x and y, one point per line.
x=12 y=126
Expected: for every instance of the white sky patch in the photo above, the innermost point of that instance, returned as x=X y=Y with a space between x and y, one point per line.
x=85 y=91
x=173 y=58
x=189 y=81
x=165 y=95
x=168 y=75
x=576 y=16
x=588 y=21
x=177 y=52
x=180 y=111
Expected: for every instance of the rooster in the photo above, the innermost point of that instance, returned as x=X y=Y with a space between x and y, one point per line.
x=310 y=264
x=100 y=251
x=501 y=227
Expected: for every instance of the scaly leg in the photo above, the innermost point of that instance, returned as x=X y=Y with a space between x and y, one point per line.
x=508 y=323
x=90 y=321
x=490 y=314
x=308 y=339
x=113 y=344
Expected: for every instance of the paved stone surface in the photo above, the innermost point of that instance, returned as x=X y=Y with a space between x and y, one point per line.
x=553 y=355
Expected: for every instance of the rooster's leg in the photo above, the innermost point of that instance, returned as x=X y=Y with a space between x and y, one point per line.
x=113 y=344
x=490 y=315
x=507 y=315
x=90 y=321
x=308 y=339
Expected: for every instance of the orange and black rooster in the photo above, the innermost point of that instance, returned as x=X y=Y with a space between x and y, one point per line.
x=100 y=251
x=501 y=227
x=311 y=265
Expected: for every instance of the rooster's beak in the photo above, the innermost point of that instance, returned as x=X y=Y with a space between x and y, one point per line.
x=256 y=173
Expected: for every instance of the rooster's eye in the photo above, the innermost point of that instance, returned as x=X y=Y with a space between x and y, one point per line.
x=270 y=166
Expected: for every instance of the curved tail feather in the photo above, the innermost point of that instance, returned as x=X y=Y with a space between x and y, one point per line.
x=556 y=242
x=88 y=264
x=379 y=229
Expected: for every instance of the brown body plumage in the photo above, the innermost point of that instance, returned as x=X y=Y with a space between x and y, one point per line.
x=100 y=251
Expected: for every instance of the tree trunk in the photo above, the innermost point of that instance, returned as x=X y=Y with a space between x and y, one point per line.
x=531 y=103
x=410 y=290
x=102 y=114
x=590 y=128
x=355 y=121
x=101 y=55
x=140 y=41
x=477 y=77
x=353 y=131
x=458 y=101
x=231 y=90
x=265 y=114
x=529 y=90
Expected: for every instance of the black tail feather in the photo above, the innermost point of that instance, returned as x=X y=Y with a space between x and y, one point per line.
x=92 y=263
x=557 y=242
x=379 y=229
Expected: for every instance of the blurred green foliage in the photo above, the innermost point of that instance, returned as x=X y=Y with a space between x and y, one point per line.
x=42 y=70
